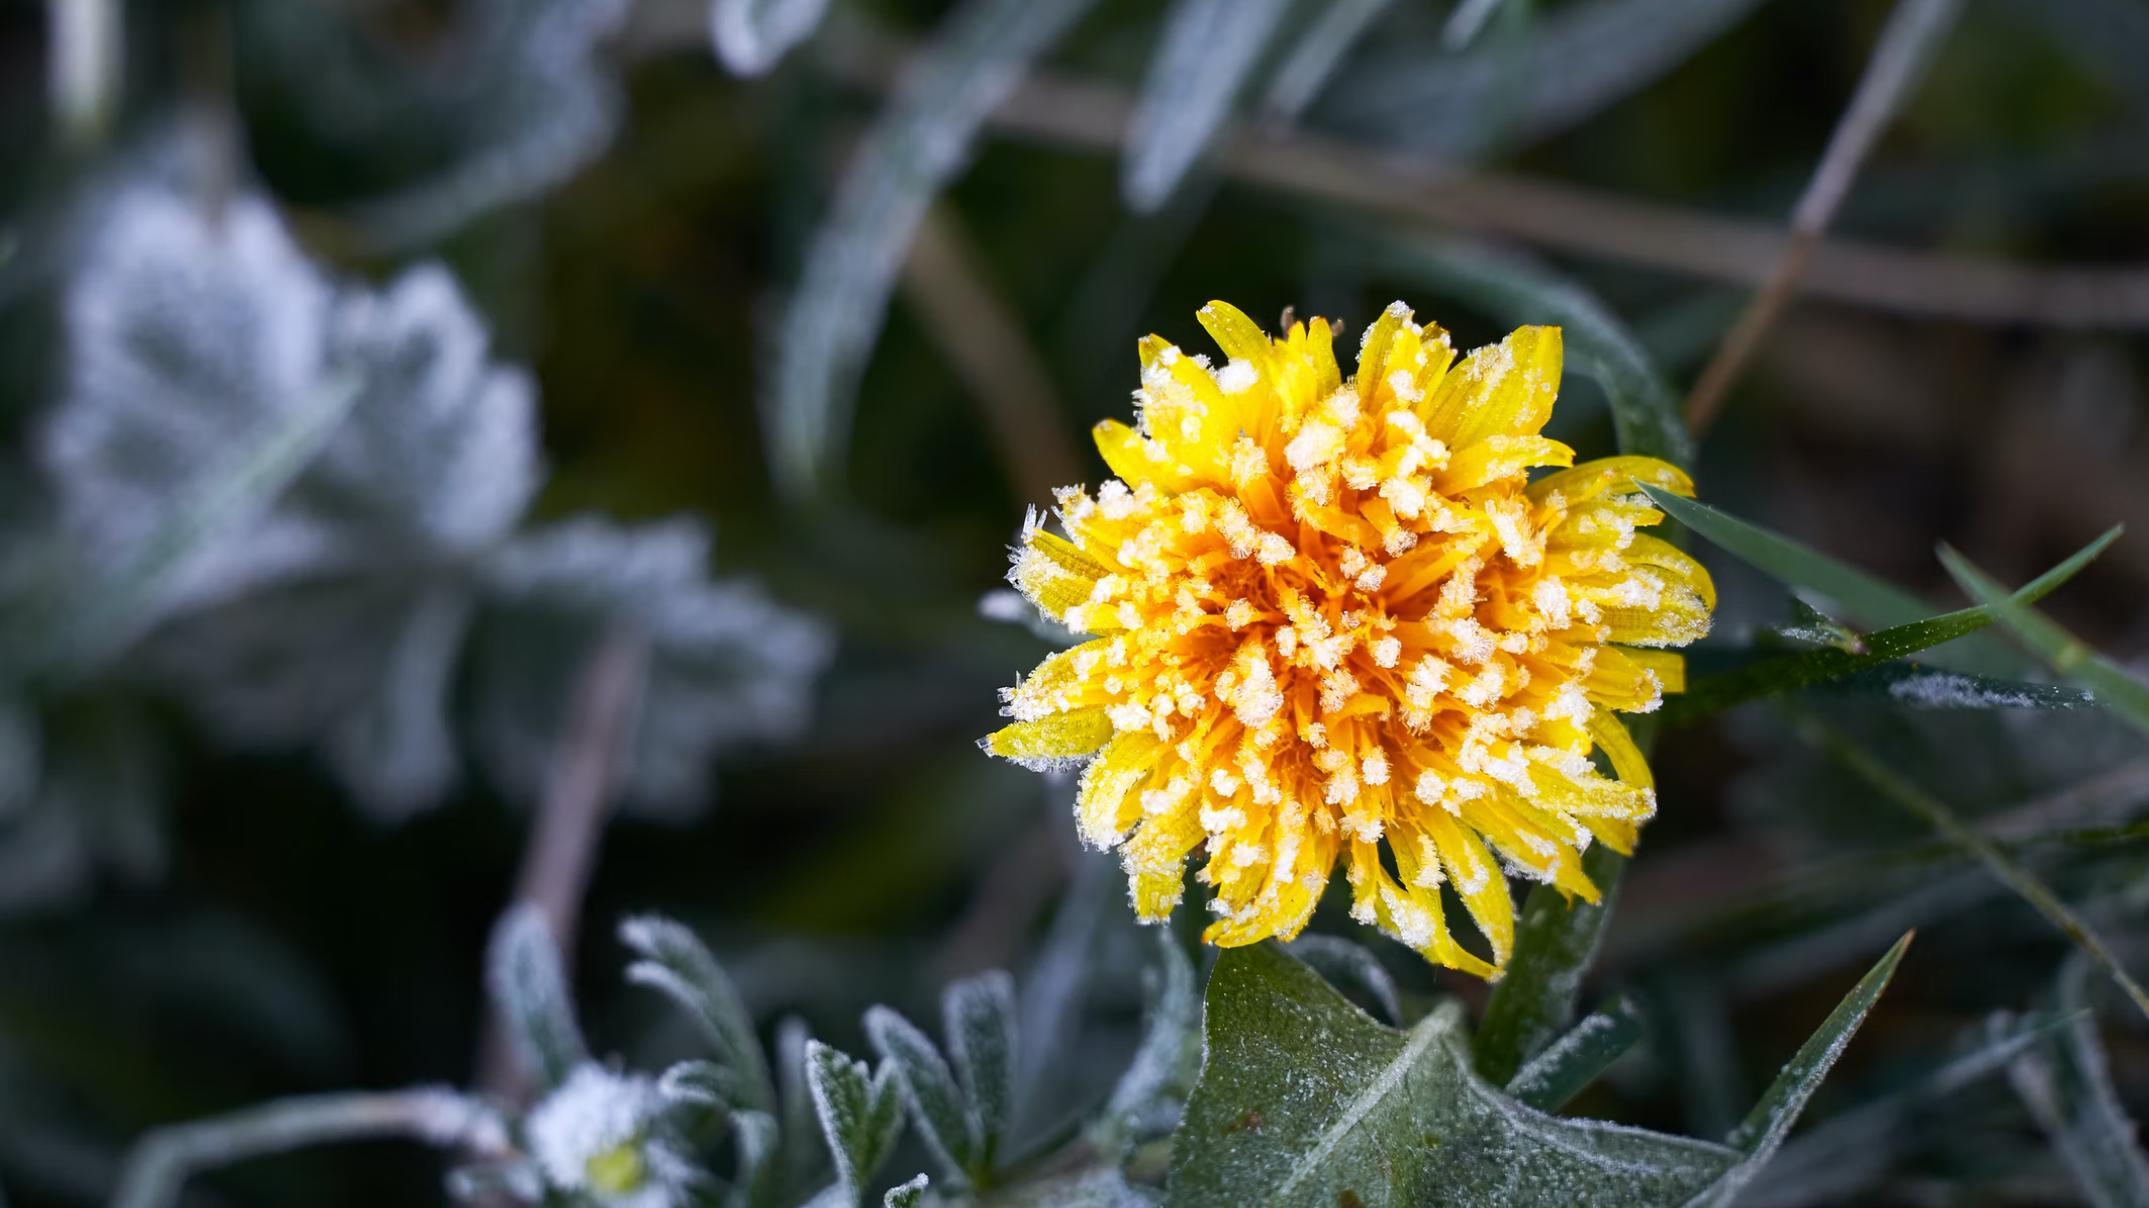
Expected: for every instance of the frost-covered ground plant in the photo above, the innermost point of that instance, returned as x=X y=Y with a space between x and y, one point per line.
x=1275 y=1088
x=297 y=504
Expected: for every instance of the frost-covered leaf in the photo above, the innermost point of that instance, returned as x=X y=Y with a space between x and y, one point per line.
x=302 y=592
x=1164 y=1066
x=1465 y=21
x=674 y=962
x=363 y=665
x=1764 y=1129
x=1205 y=55
x=759 y=1142
x=1577 y=59
x=978 y=1014
x=2066 y=1081
x=1332 y=30
x=915 y=147
x=751 y=36
x=1304 y=1099
x=505 y=105
x=197 y=389
x=801 y=1162
x=703 y=1084
x=1572 y=1062
x=726 y=664
x=1555 y=940
x=860 y=1113
x=530 y=992
x=937 y=1109
x=907 y=1194
x=1645 y=411
x=1919 y=687
x=1346 y=963
x=2124 y=692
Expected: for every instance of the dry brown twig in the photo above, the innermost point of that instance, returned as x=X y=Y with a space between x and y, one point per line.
x=570 y=820
x=1913 y=33
x=1064 y=110
x=946 y=282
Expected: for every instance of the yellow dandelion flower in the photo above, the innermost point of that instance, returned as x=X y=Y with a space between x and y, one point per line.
x=1333 y=616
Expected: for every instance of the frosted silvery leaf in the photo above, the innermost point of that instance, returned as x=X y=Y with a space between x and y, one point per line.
x=187 y=337
x=1164 y=1064
x=936 y=1105
x=908 y=1194
x=2067 y=1084
x=529 y=990
x=859 y=1112
x=363 y=666
x=978 y=1015
x=440 y=452
x=674 y=962
x=1304 y=1098
x=751 y=36
x=726 y=664
x=1007 y=606
x=507 y=104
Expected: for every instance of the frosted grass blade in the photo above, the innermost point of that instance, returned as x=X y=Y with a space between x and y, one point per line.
x=2127 y=694
x=914 y=148
x=1207 y=53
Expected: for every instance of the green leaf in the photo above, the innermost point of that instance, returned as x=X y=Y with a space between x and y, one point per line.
x=1645 y=411
x=936 y=1104
x=674 y=963
x=979 y=1015
x=1346 y=963
x=1554 y=942
x=1764 y=1129
x=2124 y=692
x=1304 y=1099
x=703 y=1084
x=1574 y=1060
x=860 y=1114
x=528 y=989
x=906 y=1195
x=1872 y=601
x=2067 y=1085
x=1778 y=674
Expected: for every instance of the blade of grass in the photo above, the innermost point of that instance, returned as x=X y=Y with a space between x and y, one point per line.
x=1764 y=1129
x=2002 y=866
x=1789 y=672
x=2126 y=693
x=2067 y=1085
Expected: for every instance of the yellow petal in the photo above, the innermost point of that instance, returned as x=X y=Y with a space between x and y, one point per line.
x=1054 y=574
x=1610 y=474
x=1106 y=804
x=1506 y=389
x=1050 y=740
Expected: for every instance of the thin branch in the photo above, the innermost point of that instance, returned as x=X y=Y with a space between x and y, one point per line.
x=1906 y=47
x=570 y=822
x=1066 y=111
x=162 y=1160
x=1997 y=862
x=947 y=283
